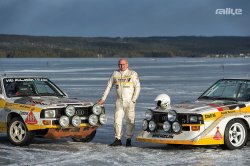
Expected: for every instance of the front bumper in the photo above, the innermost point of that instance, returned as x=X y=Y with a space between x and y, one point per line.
x=185 y=138
x=80 y=132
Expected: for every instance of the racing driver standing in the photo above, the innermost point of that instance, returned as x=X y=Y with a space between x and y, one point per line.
x=127 y=86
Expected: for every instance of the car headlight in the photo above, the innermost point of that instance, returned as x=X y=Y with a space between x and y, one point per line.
x=193 y=119
x=50 y=113
x=151 y=125
x=64 y=121
x=148 y=115
x=70 y=110
x=103 y=119
x=172 y=115
x=166 y=126
x=176 y=127
x=97 y=109
x=93 y=120
x=76 y=121
x=145 y=125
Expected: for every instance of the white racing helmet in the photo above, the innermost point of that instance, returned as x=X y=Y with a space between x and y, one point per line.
x=163 y=100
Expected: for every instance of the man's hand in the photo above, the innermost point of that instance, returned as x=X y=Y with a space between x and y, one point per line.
x=101 y=102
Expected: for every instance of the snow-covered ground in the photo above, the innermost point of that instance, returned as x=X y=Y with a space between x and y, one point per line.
x=65 y=152
x=182 y=78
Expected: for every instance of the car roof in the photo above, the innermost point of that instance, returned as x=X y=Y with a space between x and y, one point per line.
x=243 y=78
x=14 y=76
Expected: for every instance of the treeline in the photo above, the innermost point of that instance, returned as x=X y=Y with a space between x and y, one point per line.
x=42 y=46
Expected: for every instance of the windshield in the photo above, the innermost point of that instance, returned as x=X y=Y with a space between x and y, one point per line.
x=21 y=87
x=237 y=90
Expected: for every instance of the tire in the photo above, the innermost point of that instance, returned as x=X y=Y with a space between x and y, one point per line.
x=18 y=133
x=235 y=134
x=86 y=139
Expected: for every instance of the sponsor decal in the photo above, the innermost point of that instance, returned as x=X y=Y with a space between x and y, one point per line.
x=122 y=80
x=9 y=80
x=220 y=109
x=41 y=102
x=247 y=116
x=9 y=105
x=217 y=106
x=242 y=105
x=23 y=113
x=25 y=79
x=163 y=135
x=3 y=127
x=17 y=106
x=24 y=106
x=217 y=135
x=207 y=116
x=227 y=112
x=31 y=119
x=227 y=106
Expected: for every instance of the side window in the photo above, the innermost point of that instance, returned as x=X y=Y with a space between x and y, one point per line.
x=244 y=91
x=42 y=87
x=230 y=91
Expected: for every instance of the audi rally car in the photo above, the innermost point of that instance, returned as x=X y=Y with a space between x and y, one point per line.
x=34 y=106
x=220 y=116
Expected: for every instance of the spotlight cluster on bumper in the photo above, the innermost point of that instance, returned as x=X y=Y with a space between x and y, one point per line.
x=170 y=124
x=94 y=115
x=171 y=121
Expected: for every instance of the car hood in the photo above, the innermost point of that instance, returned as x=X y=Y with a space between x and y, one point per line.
x=205 y=106
x=50 y=101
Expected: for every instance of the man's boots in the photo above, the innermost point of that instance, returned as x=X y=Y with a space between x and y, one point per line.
x=128 y=143
x=117 y=142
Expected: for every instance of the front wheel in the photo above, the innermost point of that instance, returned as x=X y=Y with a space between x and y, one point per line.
x=18 y=133
x=86 y=139
x=235 y=134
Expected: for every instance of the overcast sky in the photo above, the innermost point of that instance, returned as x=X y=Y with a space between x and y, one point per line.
x=123 y=18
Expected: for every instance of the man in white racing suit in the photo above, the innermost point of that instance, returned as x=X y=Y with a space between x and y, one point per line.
x=127 y=89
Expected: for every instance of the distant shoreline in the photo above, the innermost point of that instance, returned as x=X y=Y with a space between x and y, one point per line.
x=21 y=46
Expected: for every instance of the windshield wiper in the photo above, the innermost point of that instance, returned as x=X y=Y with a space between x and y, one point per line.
x=206 y=97
x=225 y=98
x=50 y=94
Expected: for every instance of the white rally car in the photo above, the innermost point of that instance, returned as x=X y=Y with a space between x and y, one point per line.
x=220 y=116
x=34 y=106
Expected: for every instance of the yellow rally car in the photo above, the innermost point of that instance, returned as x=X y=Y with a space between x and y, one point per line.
x=220 y=116
x=33 y=106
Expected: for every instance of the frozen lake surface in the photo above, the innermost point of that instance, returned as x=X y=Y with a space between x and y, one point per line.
x=183 y=79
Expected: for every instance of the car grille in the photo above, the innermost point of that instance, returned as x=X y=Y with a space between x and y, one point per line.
x=83 y=111
x=160 y=117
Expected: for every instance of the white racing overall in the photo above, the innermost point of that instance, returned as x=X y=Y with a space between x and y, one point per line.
x=127 y=88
